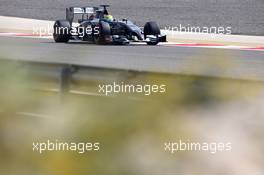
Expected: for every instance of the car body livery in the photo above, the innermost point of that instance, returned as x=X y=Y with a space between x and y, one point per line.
x=97 y=25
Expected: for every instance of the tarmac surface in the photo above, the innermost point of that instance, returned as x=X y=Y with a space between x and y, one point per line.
x=244 y=17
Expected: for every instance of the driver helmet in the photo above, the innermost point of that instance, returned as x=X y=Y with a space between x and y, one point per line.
x=108 y=17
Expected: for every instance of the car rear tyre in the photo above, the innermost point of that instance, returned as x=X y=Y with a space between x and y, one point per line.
x=104 y=34
x=62 y=31
x=151 y=28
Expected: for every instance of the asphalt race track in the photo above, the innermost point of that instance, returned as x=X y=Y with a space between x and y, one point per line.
x=244 y=16
x=185 y=60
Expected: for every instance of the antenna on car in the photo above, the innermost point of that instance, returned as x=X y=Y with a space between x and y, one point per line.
x=105 y=5
x=105 y=9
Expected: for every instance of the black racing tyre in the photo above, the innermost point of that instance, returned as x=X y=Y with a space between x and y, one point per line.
x=104 y=35
x=61 y=31
x=151 y=28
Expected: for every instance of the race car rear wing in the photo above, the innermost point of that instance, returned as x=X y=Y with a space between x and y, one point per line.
x=71 y=11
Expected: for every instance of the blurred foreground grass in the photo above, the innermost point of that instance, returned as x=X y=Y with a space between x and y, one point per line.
x=131 y=132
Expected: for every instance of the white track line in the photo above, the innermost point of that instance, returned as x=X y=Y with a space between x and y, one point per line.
x=215 y=46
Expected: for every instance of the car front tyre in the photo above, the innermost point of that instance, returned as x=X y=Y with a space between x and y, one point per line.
x=151 y=28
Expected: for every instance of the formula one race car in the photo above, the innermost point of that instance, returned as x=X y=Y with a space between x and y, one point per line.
x=98 y=26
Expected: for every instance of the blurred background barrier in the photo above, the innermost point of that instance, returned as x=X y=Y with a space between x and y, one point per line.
x=60 y=102
x=68 y=78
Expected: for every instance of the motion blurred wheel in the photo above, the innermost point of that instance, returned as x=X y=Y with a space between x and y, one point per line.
x=62 y=31
x=151 y=28
x=104 y=35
